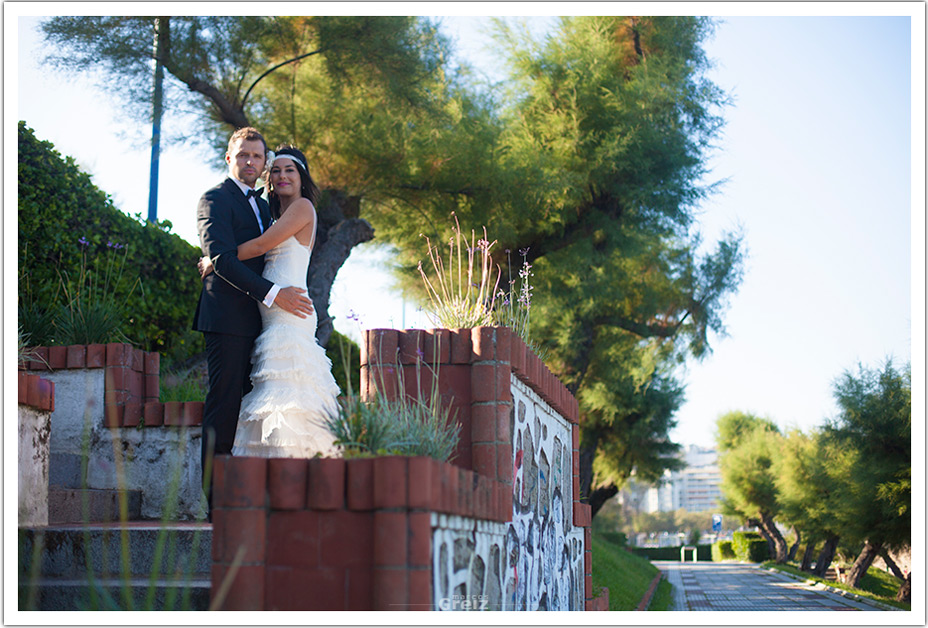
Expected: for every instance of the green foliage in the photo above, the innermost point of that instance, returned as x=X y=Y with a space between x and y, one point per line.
x=57 y=206
x=345 y=355
x=187 y=389
x=723 y=550
x=627 y=575
x=748 y=447
x=876 y=584
x=91 y=313
x=874 y=426
x=616 y=538
x=456 y=299
x=514 y=308
x=592 y=158
x=703 y=552
x=663 y=597
x=812 y=484
x=404 y=425
x=750 y=547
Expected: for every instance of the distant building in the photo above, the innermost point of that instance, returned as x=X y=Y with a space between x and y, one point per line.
x=694 y=488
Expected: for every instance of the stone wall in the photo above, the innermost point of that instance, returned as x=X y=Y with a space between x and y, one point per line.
x=108 y=411
x=36 y=396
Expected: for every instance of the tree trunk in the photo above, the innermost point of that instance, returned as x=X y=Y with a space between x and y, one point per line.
x=795 y=546
x=600 y=496
x=893 y=567
x=807 y=556
x=823 y=562
x=870 y=551
x=779 y=544
x=905 y=591
x=338 y=231
x=588 y=444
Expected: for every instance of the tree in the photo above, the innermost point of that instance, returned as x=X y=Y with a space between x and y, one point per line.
x=592 y=162
x=749 y=448
x=224 y=60
x=611 y=118
x=810 y=478
x=875 y=423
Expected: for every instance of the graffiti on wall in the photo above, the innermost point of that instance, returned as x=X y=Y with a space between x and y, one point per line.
x=534 y=562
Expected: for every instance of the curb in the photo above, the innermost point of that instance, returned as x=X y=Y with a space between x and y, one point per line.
x=646 y=600
x=841 y=592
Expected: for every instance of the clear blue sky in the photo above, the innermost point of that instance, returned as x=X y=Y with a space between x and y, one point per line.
x=817 y=156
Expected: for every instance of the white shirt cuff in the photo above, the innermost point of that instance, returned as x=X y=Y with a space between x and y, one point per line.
x=271 y=295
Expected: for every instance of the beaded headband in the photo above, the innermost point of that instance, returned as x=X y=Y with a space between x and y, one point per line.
x=274 y=158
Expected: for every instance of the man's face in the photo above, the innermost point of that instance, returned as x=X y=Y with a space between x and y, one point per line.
x=246 y=160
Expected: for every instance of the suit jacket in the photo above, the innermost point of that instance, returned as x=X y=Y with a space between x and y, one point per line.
x=232 y=294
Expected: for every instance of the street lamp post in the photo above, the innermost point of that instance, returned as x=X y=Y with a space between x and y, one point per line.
x=156 y=128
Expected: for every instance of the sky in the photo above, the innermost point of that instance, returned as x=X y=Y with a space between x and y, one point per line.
x=816 y=155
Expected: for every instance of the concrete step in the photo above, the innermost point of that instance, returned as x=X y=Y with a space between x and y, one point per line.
x=57 y=564
x=74 y=505
x=110 y=594
x=64 y=469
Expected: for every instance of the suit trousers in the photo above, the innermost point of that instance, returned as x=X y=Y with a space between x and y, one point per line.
x=228 y=360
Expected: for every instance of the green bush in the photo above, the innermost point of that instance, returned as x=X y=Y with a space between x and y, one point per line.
x=703 y=552
x=722 y=550
x=58 y=204
x=343 y=351
x=750 y=547
x=616 y=538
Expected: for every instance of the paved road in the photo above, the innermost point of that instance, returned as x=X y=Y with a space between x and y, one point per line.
x=747 y=587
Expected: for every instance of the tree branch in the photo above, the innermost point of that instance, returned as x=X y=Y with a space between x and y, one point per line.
x=644 y=330
x=229 y=112
x=279 y=65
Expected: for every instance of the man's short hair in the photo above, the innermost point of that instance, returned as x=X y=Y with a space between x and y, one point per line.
x=246 y=133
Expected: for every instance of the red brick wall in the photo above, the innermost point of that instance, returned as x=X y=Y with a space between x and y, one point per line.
x=335 y=534
x=36 y=392
x=357 y=532
x=131 y=383
x=475 y=367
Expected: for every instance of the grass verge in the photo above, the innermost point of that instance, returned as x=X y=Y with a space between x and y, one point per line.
x=875 y=585
x=663 y=597
x=627 y=575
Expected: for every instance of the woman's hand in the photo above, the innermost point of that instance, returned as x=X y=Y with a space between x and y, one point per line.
x=205 y=266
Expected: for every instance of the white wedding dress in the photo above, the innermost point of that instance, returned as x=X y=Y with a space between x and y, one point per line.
x=283 y=415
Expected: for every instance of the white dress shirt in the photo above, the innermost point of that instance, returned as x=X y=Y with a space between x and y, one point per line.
x=272 y=293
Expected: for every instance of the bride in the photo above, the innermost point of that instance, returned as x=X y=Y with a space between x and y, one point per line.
x=283 y=416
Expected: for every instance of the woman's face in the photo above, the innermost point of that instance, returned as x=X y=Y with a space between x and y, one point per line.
x=285 y=178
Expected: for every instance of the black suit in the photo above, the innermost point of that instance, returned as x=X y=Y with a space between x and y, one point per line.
x=227 y=311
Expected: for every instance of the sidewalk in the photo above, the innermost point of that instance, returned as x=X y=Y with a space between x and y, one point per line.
x=747 y=587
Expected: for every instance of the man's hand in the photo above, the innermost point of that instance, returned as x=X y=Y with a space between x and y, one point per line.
x=205 y=266
x=292 y=300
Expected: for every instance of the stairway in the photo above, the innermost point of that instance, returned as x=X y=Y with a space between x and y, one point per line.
x=76 y=566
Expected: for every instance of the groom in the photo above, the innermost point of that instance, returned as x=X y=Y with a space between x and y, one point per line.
x=227 y=312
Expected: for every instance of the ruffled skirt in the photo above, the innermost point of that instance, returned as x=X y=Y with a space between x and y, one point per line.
x=284 y=414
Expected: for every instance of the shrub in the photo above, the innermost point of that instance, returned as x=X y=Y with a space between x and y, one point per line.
x=58 y=204
x=345 y=355
x=703 y=552
x=750 y=547
x=616 y=538
x=407 y=425
x=722 y=550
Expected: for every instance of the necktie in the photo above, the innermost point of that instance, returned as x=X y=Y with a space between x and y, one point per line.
x=251 y=195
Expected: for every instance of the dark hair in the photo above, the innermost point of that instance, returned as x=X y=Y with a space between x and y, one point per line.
x=308 y=187
x=249 y=134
